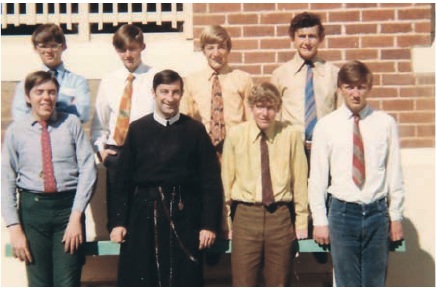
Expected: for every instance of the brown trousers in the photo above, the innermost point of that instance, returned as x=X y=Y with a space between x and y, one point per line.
x=261 y=239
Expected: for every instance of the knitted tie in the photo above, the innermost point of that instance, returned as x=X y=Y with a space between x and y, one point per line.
x=358 y=155
x=217 y=130
x=123 y=119
x=267 y=191
x=47 y=163
x=309 y=104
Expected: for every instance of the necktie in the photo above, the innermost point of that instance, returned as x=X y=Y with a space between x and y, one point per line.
x=358 y=155
x=54 y=72
x=47 y=163
x=267 y=191
x=309 y=103
x=123 y=119
x=217 y=127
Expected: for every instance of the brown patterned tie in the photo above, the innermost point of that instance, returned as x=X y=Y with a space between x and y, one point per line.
x=267 y=191
x=47 y=163
x=217 y=130
x=358 y=154
x=123 y=119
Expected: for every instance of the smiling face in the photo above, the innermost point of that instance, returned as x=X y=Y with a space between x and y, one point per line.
x=216 y=55
x=307 y=41
x=168 y=98
x=355 y=95
x=50 y=53
x=42 y=98
x=131 y=55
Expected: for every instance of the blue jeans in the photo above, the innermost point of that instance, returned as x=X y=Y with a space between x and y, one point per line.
x=359 y=236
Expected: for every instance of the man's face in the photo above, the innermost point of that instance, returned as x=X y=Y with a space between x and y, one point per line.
x=167 y=98
x=42 y=98
x=307 y=41
x=264 y=114
x=131 y=55
x=217 y=55
x=355 y=95
x=50 y=53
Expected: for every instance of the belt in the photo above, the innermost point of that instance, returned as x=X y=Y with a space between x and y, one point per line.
x=58 y=194
x=271 y=208
x=152 y=193
x=352 y=204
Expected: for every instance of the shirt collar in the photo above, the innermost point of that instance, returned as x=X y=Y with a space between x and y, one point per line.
x=255 y=132
x=30 y=119
x=298 y=63
x=60 y=69
x=210 y=72
x=159 y=119
x=362 y=114
x=140 y=70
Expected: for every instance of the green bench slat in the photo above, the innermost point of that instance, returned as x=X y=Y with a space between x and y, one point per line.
x=102 y=248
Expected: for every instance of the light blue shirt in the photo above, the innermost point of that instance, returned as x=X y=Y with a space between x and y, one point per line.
x=73 y=97
x=72 y=156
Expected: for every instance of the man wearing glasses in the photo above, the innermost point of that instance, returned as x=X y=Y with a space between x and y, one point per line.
x=74 y=96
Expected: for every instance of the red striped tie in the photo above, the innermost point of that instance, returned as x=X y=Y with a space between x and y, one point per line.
x=47 y=163
x=358 y=155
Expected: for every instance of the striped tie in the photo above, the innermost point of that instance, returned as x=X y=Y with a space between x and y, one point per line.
x=310 y=107
x=358 y=155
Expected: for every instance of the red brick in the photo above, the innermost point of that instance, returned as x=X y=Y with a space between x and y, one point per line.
x=258 y=6
x=224 y=7
x=275 y=18
x=381 y=67
x=208 y=19
x=374 y=103
x=199 y=7
x=252 y=69
x=407 y=130
x=392 y=5
x=292 y=6
x=398 y=79
x=396 y=27
x=413 y=40
x=258 y=31
x=361 y=29
x=275 y=44
x=344 y=16
x=416 y=143
x=234 y=31
x=384 y=92
x=408 y=92
x=360 y=5
x=283 y=57
x=243 y=18
x=395 y=54
x=343 y=42
x=377 y=41
x=378 y=15
x=269 y=68
x=425 y=91
x=361 y=54
x=323 y=6
x=376 y=80
x=331 y=55
x=259 y=57
x=333 y=29
x=404 y=66
x=260 y=79
x=417 y=117
x=425 y=79
x=244 y=44
x=414 y=13
x=398 y=105
x=235 y=57
x=423 y=27
x=426 y=130
x=282 y=30
x=425 y=104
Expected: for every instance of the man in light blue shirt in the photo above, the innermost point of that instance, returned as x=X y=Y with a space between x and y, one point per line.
x=47 y=157
x=73 y=95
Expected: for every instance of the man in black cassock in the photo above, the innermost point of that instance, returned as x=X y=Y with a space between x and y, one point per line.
x=168 y=194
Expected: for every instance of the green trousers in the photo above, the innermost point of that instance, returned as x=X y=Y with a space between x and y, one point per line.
x=44 y=218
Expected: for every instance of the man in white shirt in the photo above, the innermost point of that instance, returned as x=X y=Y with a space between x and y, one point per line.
x=109 y=126
x=359 y=148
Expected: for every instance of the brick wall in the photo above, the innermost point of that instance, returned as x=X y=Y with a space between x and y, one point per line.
x=381 y=35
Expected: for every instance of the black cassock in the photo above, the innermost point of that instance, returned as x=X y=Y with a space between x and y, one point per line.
x=168 y=189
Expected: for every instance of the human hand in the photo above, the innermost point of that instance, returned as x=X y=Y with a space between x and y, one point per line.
x=321 y=234
x=118 y=233
x=20 y=246
x=104 y=153
x=301 y=234
x=73 y=236
x=207 y=238
x=396 y=231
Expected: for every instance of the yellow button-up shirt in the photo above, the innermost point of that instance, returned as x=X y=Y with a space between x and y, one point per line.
x=241 y=168
x=235 y=85
x=290 y=79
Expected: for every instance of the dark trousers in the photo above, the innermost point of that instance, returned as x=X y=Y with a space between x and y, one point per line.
x=261 y=237
x=44 y=218
x=111 y=163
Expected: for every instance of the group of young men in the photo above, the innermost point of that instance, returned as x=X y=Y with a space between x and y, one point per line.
x=211 y=155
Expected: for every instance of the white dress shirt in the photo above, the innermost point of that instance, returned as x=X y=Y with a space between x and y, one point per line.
x=332 y=152
x=108 y=100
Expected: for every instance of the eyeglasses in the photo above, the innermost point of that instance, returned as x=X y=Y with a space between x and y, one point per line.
x=44 y=47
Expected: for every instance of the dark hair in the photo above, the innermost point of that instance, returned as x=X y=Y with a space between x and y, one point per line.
x=355 y=72
x=48 y=32
x=304 y=20
x=265 y=92
x=127 y=34
x=38 y=78
x=167 y=77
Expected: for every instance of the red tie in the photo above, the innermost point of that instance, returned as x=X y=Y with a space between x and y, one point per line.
x=217 y=126
x=358 y=155
x=47 y=163
x=267 y=191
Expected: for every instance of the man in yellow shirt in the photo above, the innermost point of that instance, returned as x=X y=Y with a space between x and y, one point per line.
x=215 y=95
x=264 y=173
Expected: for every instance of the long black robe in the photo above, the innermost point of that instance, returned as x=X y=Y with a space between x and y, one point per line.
x=154 y=155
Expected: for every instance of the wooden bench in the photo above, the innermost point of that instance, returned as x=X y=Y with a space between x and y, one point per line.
x=103 y=248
